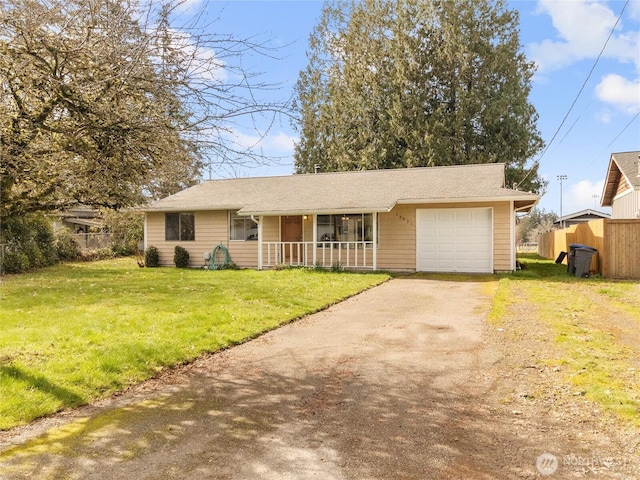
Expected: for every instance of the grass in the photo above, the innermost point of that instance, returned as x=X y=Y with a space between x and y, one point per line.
x=595 y=324
x=76 y=332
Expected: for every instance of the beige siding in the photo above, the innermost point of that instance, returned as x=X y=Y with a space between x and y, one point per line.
x=623 y=186
x=397 y=235
x=626 y=206
x=244 y=253
x=501 y=237
x=211 y=229
x=307 y=228
x=271 y=229
x=397 y=239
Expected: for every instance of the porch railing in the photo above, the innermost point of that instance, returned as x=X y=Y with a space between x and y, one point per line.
x=357 y=255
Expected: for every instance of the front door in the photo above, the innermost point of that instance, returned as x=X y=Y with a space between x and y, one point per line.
x=291 y=231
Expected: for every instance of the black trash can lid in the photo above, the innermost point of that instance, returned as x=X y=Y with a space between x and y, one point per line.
x=585 y=248
x=576 y=245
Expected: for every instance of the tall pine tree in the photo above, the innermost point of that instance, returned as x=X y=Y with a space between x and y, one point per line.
x=405 y=83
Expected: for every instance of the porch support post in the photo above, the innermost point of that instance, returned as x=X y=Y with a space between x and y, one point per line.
x=260 y=218
x=375 y=241
x=512 y=236
x=314 y=249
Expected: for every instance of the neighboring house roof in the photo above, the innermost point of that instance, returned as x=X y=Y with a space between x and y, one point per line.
x=82 y=215
x=83 y=221
x=622 y=167
x=583 y=215
x=358 y=191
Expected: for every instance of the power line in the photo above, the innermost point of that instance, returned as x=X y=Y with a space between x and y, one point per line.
x=574 y=123
x=622 y=131
x=584 y=84
x=597 y=157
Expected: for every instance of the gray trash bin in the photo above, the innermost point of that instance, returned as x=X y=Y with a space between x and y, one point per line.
x=582 y=260
x=571 y=257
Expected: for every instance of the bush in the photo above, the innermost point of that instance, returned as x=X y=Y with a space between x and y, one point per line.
x=30 y=243
x=126 y=229
x=181 y=257
x=15 y=262
x=66 y=246
x=95 y=254
x=151 y=257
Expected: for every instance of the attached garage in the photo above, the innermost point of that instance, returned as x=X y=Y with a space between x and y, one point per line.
x=454 y=240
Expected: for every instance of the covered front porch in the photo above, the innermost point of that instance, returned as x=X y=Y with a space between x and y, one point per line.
x=331 y=240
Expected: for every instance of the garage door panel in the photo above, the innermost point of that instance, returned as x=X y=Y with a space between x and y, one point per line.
x=463 y=216
x=446 y=249
x=455 y=240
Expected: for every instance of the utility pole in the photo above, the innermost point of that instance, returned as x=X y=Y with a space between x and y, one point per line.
x=595 y=197
x=561 y=178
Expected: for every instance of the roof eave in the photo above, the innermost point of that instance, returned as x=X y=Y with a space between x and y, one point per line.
x=609 y=193
x=189 y=208
x=525 y=207
x=528 y=197
x=607 y=196
x=314 y=211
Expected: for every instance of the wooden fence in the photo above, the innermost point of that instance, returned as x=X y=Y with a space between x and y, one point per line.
x=622 y=249
x=617 y=242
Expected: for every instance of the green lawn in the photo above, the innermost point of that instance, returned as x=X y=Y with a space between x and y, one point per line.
x=76 y=332
x=595 y=325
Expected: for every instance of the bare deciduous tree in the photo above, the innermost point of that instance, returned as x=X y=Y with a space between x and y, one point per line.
x=109 y=103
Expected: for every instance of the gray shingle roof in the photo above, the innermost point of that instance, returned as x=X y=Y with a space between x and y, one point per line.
x=624 y=163
x=628 y=164
x=360 y=191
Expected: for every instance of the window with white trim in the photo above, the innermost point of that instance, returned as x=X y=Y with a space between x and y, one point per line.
x=353 y=227
x=242 y=228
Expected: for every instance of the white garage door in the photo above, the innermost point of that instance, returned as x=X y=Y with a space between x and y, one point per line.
x=454 y=240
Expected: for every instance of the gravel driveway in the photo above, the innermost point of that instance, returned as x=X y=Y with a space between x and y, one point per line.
x=395 y=383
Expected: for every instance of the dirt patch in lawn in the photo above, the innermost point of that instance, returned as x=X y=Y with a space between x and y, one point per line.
x=409 y=380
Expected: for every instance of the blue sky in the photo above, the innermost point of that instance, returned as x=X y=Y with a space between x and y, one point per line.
x=563 y=37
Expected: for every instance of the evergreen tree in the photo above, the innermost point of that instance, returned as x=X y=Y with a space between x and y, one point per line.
x=404 y=83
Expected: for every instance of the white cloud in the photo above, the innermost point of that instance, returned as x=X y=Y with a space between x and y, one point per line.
x=580 y=196
x=277 y=144
x=618 y=91
x=187 y=5
x=604 y=116
x=582 y=28
x=201 y=62
x=634 y=10
x=283 y=142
